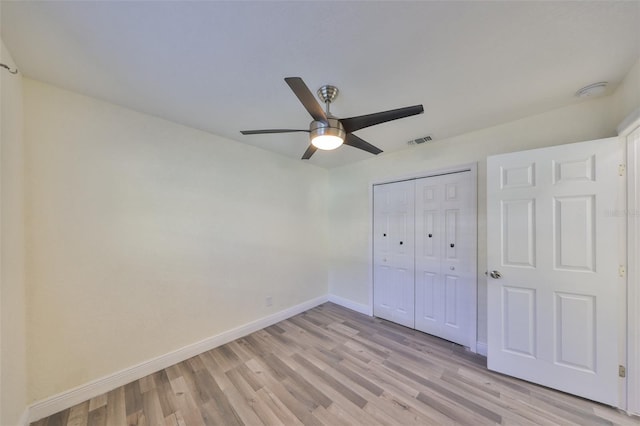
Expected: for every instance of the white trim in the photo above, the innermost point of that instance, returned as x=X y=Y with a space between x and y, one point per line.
x=481 y=348
x=628 y=130
x=349 y=304
x=471 y=167
x=420 y=175
x=370 y=247
x=473 y=331
x=633 y=246
x=67 y=399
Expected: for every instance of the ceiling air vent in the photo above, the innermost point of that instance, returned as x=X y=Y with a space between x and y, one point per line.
x=421 y=140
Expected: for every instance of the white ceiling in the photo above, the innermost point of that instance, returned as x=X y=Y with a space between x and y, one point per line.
x=219 y=66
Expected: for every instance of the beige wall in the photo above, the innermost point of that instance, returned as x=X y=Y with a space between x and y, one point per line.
x=627 y=96
x=145 y=236
x=13 y=366
x=349 y=202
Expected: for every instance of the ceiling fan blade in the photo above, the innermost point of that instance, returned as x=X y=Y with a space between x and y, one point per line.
x=260 y=132
x=309 y=152
x=356 y=142
x=306 y=97
x=356 y=123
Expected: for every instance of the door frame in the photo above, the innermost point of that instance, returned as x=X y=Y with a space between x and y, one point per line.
x=471 y=168
x=625 y=129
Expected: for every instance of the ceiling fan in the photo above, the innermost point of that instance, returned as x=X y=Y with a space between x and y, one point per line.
x=329 y=132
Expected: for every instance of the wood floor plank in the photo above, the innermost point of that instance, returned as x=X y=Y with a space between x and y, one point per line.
x=211 y=415
x=200 y=395
x=190 y=411
x=245 y=390
x=98 y=417
x=175 y=419
x=328 y=418
x=289 y=396
x=403 y=409
x=358 y=379
x=456 y=414
x=97 y=402
x=152 y=408
x=58 y=419
x=249 y=377
x=293 y=345
x=286 y=416
x=568 y=411
x=348 y=393
x=297 y=381
x=332 y=366
x=445 y=392
x=240 y=351
x=79 y=414
x=116 y=410
x=133 y=398
x=489 y=400
x=239 y=403
x=535 y=414
x=166 y=397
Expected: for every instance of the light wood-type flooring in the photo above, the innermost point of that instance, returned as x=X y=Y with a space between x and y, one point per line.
x=332 y=366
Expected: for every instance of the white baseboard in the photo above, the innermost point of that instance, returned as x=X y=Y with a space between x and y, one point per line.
x=67 y=399
x=349 y=304
x=481 y=348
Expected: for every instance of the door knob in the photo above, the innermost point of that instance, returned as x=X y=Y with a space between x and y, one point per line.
x=495 y=275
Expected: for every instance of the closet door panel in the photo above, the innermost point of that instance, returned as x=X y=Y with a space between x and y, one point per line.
x=394 y=293
x=448 y=208
x=429 y=241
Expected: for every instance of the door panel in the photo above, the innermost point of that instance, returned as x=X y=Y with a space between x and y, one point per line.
x=445 y=253
x=518 y=233
x=573 y=232
x=519 y=326
x=393 y=243
x=552 y=315
x=575 y=331
x=451 y=297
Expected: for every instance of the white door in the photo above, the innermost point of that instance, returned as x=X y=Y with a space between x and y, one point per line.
x=554 y=250
x=393 y=257
x=445 y=256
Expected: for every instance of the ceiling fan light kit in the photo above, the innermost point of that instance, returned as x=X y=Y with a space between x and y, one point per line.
x=327 y=135
x=327 y=132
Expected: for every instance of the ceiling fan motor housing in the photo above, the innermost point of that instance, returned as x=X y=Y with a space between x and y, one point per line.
x=332 y=127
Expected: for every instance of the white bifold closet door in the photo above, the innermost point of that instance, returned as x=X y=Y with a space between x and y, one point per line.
x=393 y=261
x=424 y=254
x=445 y=250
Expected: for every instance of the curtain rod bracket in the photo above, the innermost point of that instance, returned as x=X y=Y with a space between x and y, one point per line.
x=12 y=71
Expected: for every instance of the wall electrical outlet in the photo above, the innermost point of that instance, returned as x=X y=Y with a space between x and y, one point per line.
x=268 y=301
